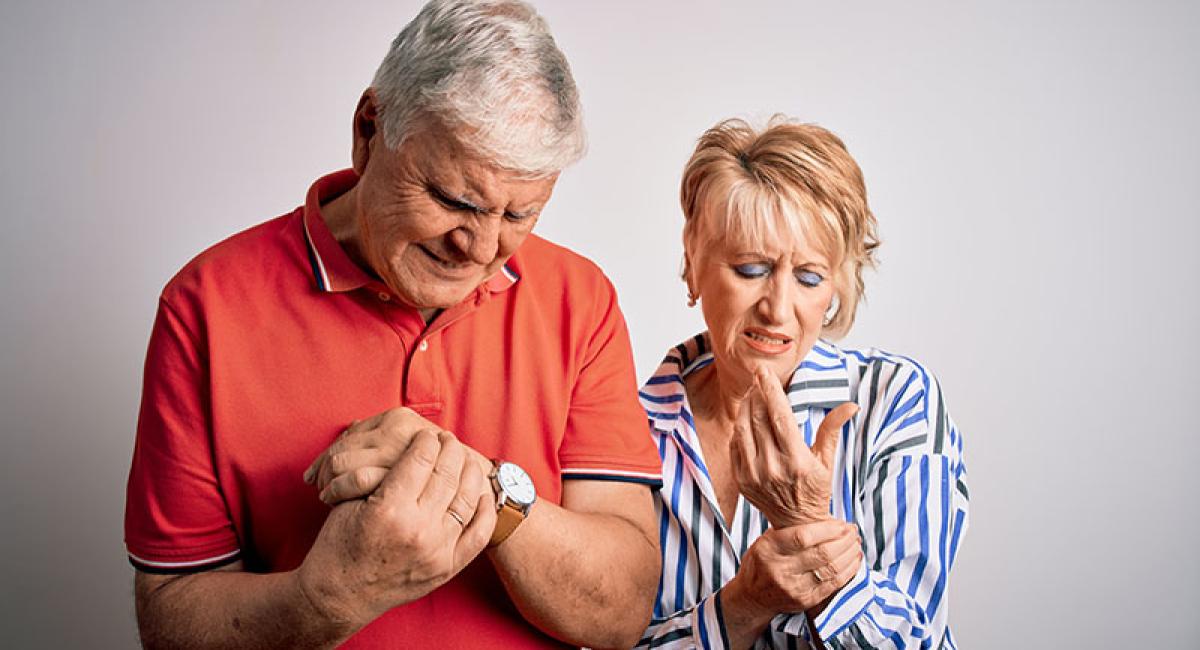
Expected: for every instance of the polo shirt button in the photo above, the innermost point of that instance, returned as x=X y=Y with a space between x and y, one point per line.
x=424 y=346
x=384 y=296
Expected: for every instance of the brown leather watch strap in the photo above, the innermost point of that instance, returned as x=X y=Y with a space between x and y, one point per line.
x=507 y=520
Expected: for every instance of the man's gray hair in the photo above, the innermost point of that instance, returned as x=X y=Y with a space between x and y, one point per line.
x=491 y=68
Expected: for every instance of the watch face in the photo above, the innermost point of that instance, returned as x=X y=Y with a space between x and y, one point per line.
x=516 y=483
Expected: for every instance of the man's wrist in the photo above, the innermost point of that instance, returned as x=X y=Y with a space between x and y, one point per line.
x=327 y=626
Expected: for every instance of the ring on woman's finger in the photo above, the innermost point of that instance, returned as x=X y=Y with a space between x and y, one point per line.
x=457 y=517
x=817 y=574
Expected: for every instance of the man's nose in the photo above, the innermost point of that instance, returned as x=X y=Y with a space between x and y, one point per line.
x=478 y=240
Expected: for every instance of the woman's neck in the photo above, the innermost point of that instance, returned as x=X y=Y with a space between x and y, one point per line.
x=715 y=396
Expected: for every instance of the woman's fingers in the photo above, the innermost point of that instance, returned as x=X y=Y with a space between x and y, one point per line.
x=824 y=554
x=767 y=459
x=826 y=441
x=843 y=566
x=777 y=413
x=744 y=455
x=797 y=539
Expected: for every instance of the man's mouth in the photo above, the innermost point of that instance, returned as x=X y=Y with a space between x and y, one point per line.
x=441 y=261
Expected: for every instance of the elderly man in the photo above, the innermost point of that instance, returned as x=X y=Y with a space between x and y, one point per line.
x=480 y=375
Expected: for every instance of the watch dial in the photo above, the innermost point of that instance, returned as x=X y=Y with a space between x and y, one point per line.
x=516 y=483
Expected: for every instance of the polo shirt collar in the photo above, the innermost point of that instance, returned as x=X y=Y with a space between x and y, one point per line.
x=332 y=268
x=506 y=277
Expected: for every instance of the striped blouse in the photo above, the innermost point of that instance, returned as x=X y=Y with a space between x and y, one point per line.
x=898 y=475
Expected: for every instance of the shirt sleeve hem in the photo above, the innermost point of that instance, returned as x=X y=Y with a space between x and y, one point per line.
x=653 y=479
x=146 y=565
x=708 y=622
x=847 y=605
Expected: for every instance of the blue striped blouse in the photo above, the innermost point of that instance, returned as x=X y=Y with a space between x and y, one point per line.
x=899 y=476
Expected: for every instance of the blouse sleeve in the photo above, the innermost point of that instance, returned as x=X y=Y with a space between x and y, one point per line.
x=701 y=626
x=912 y=514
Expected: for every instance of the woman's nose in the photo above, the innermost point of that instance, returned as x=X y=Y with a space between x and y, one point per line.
x=775 y=302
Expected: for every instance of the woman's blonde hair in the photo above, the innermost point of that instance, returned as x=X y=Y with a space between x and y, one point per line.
x=752 y=186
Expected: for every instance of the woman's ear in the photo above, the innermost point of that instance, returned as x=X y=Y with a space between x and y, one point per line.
x=689 y=279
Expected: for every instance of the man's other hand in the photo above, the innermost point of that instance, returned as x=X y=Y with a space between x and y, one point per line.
x=357 y=462
x=432 y=513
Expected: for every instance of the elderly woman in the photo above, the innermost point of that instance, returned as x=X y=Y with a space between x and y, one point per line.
x=812 y=495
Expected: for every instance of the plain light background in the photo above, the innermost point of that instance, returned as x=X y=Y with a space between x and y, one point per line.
x=1034 y=167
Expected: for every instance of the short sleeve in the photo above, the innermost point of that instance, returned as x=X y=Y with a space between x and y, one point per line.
x=176 y=519
x=607 y=435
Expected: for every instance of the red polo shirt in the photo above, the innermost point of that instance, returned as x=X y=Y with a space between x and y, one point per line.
x=269 y=344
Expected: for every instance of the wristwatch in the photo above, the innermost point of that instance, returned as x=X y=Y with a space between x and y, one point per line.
x=515 y=495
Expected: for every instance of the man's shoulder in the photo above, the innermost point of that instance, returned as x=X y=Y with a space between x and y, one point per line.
x=547 y=263
x=246 y=257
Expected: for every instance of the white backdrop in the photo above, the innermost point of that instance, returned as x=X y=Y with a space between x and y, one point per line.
x=1034 y=167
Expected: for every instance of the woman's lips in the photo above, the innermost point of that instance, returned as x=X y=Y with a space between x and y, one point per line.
x=766 y=341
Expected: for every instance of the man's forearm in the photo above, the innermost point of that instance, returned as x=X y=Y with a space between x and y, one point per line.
x=586 y=578
x=232 y=609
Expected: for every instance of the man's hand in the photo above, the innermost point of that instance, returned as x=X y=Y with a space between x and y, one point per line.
x=403 y=541
x=774 y=469
x=357 y=462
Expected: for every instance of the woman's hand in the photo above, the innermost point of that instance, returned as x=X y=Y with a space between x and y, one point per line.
x=789 y=570
x=774 y=469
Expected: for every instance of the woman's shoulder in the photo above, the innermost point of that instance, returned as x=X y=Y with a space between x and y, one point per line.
x=877 y=367
x=900 y=400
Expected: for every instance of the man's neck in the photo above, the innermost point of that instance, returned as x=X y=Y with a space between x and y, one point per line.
x=338 y=214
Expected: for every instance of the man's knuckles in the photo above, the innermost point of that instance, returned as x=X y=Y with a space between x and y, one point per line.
x=424 y=449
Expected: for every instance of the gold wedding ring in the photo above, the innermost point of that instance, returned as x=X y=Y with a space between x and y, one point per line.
x=457 y=517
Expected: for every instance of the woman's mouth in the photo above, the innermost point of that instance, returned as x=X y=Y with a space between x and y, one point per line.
x=767 y=341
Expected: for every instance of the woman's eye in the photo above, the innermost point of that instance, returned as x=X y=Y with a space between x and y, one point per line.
x=809 y=278
x=755 y=270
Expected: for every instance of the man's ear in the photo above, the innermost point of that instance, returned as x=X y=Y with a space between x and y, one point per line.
x=366 y=128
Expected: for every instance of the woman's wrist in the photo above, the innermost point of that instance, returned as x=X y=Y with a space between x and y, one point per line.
x=741 y=611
